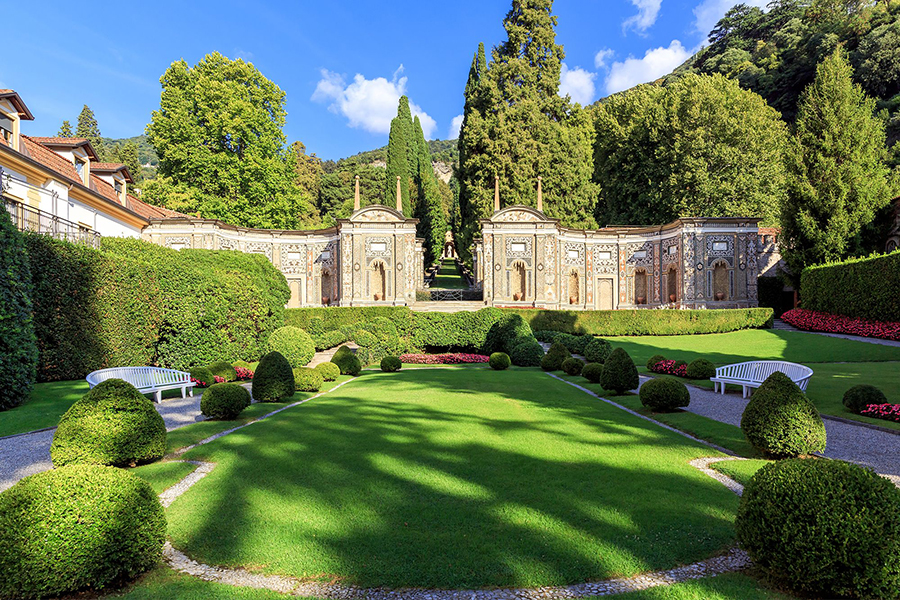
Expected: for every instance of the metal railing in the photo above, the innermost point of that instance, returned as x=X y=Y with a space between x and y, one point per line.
x=26 y=218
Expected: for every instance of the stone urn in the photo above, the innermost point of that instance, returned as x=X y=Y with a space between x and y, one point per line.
x=720 y=296
x=572 y=299
x=671 y=297
x=379 y=296
x=325 y=300
x=517 y=296
x=641 y=300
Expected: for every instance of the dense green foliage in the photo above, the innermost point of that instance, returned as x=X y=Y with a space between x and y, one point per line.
x=860 y=396
x=307 y=380
x=293 y=343
x=572 y=366
x=553 y=359
x=401 y=158
x=391 y=364
x=499 y=361
x=575 y=344
x=273 y=379
x=77 y=528
x=824 y=527
x=592 y=371
x=781 y=421
x=701 y=369
x=88 y=129
x=18 y=350
x=113 y=424
x=861 y=287
x=203 y=375
x=653 y=360
x=224 y=401
x=664 y=394
x=347 y=361
x=329 y=371
x=222 y=369
x=619 y=372
x=647 y=322
x=597 y=350
x=527 y=353
x=65 y=130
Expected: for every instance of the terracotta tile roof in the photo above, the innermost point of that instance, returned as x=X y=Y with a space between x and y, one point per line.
x=19 y=105
x=49 y=158
x=99 y=166
x=70 y=142
x=104 y=189
x=148 y=211
x=3 y=141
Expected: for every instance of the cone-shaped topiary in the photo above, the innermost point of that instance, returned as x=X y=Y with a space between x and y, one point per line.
x=597 y=350
x=664 y=394
x=499 y=361
x=653 y=360
x=273 y=379
x=294 y=344
x=701 y=369
x=527 y=354
x=781 y=421
x=329 y=371
x=224 y=370
x=307 y=380
x=860 y=396
x=592 y=372
x=572 y=366
x=224 y=401
x=347 y=361
x=555 y=356
x=113 y=424
x=619 y=372
x=391 y=364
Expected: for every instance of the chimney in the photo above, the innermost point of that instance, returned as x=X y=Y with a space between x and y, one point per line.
x=399 y=197
x=496 y=193
x=356 y=196
x=540 y=205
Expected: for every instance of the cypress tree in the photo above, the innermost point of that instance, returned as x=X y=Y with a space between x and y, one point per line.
x=88 y=129
x=397 y=166
x=65 y=130
x=471 y=145
x=429 y=210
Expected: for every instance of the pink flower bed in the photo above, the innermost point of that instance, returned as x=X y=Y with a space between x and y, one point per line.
x=669 y=367
x=442 y=359
x=888 y=412
x=810 y=320
x=243 y=374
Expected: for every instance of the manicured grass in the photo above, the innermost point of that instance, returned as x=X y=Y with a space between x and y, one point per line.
x=448 y=278
x=163 y=582
x=830 y=381
x=740 y=470
x=47 y=404
x=453 y=478
x=162 y=475
x=730 y=586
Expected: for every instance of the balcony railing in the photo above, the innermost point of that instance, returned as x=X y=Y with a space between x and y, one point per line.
x=26 y=218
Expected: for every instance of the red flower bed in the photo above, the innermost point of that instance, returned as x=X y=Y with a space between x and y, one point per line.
x=810 y=320
x=243 y=374
x=442 y=359
x=669 y=367
x=888 y=412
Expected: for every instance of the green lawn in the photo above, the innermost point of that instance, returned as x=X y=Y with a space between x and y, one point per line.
x=448 y=278
x=163 y=582
x=453 y=478
x=740 y=470
x=47 y=404
x=163 y=475
x=730 y=586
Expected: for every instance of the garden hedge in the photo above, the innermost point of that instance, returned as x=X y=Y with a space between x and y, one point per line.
x=274 y=379
x=572 y=366
x=80 y=527
x=224 y=401
x=619 y=372
x=592 y=372
x=781 y=421
x=555 y=356
x=224 y=370
x=864 y=288
x=292 y=343
x=203 y=375
x=527 y=353
x=597 y=350
x=700 y=369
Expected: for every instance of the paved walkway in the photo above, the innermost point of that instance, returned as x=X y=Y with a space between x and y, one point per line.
x=780 y=325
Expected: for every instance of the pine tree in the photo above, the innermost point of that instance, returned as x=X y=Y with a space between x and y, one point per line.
x=88 y=129
x=128 y=156
x=837 y=178
x=398 y=160
x=65 y=131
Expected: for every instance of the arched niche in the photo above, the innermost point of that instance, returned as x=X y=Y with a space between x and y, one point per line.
x=721 y=281
x=672 y=284
x=574 y=287
x=326 y=288
x=378 y=281
x=641 y=289
x=518 y=280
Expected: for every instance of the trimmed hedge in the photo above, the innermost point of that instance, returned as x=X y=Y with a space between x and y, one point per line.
x=224 y=370
x=76 y=528
x=554 y=358
x=573 y=343
x=863 y=288
x=499 y=361
x=664 y=394
x=572 y=366
x=347 y=361
x=203 y=375
x=647 y=322
x=527 y=354
x=781 y=421
x=824 y=527
x=224 y=401
x=292 y=343
x=592 y=372
x=860 y=396
x=273 y=379
x=619 y=372
x=307 y=380
x=328 y=339
x=391 y=364
x=18 y=345
x=329 y=371
x=597 y=350
x=700 y=369
x=113 y=424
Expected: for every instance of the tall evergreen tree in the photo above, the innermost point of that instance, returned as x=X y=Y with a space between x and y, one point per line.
x=398 y=157
x=65 y=130
x=429 y=210
x=127 y=154
x=472 y=142
x=837 y=178
x=88 y=129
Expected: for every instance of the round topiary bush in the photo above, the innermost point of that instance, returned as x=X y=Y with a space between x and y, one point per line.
x=592 y=372
x=329 y=371
x=203 y=375
x=391 y=364
x=347 y=361
x=781 y=421
x=653 y=360
x=597 y=350
x=824 y=527
x=241 y=364
x=664 y=394
x=701 y=369
x=292 y=343
x=572 y=366
x=224 y=401
x=526 y=354
x=77 y=527
x=619 y=372
x=499 y=361
x=113 y=424
x=273 y=379
x=860 y=396
x=554 y=358
x=224 y=370
x=307 y=380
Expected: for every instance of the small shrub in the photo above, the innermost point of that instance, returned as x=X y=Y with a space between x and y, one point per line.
x=526 y=354
x=860 y=396
x=554 y=358
x=224 y=401
x=223 y=370
x=654 y=360
x=202 y=376
x=347 y=361
x=113 y=424
x=307 y=380
x=781 y=421
x=572 y=366
x=592 y=372
x=329 y=371
x=619 y=372
x=273 y=379
x=499 y=361
x=241 y=364
x=597 y=350
x=700 y=369
x=391 y=364
x=77 y=527
x=664 y=394
x=292 y=343
x=823 y=527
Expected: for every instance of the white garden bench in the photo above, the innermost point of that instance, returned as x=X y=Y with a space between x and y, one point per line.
x=146 y=379
x=752 y=374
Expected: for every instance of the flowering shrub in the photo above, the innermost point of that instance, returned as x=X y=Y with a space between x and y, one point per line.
x=243 y=374
x=443 y=359
x=809 y=320
x=198 y=383
x=670 y=367
x=888 y=412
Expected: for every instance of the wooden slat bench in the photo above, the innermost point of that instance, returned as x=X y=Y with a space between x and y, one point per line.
x=752 y=374
x=147 y=380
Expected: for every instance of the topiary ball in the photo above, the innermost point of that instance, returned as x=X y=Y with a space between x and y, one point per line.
x=597 y=350
x=224 y=370
x=307 y=380
x=572 y=366
x=592 y=372
x=329 y=371
x=391 y=364
x=701 y=369
x=293 y=343
x=526 y=354
x=860 y=396
x=113 y=424
x=654 y=360
x=664 y=394
x=273 y=379
x=554 y=358
x=77 y=527
x=203 y=375
x=824 y=527
x=224 y=401
x=347 y=361
x=619 y=372
x=780 y=420
x=499 y=361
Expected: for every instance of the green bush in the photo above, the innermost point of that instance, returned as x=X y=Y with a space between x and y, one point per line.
x=364 y=338
x=653 y=360
x=572 y=366
x=391 y=364
x=329 y=339
x=18 y=347
x=80 y=527
x=664 y=394
x=823 y=527
x=499 y=361
x=292 y=343
x=113 y=424
x=554 y=358
x=527 y=354
x=347 y=361
x=510 y=330
x=329 y=371
x=619 y=372
x=203 y=375
x=546 y=336
x=573 y=343
x=307 y=380
x=701 y=369
x=592 y=372
x=224 y=370
x=241 y=364
x=597 y=350
x=868 y=287
x=860 y=396
x=224 y=401
x=274 y=379
x=781 y=421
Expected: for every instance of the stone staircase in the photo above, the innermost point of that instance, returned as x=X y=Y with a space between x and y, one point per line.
x=447 y=306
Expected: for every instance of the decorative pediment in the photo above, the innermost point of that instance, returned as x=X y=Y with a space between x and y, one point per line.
x=518 y=214
x=377 y=213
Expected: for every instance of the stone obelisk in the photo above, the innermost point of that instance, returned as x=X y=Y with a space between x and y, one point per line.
x=540 y=205
x=399 y=198
x=356 y=196
x=496 y=193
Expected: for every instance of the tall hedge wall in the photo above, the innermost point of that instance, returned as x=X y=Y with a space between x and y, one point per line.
x=864 y=288
x=18 y=353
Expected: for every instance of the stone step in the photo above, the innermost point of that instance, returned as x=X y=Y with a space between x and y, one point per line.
x=448 y=306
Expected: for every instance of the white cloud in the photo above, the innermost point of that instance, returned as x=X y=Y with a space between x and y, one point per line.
x=368 y=104
x=655 y=63
x=601 y=59
x=455 y=124
x=577 y=83
x=708 y=13
x=648 y=10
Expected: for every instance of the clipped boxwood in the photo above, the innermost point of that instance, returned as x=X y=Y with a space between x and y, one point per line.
x=113 y=424
x=619 y=372
x=273 y=379
x=654 y=360
x=860 y=396
x=347 y=361
x=329 y=371
x=292 y=343
x=527 y=353
x=499 y=361
x=241 y=364
x=597 y=350
x=307 y=380
x=823 y=527
x=546 y=336
x=224 y=401
x=76 y=528
x=664 y=394
x=329 y=339
x=572 y=366
x=781 y=421
x=592 y=372
x=391 y=364
x=701 y=369
x=18 y=345
x=203 y=375
x=554 y=358
x=223 y=369
x=573 y=343
x=364 y=338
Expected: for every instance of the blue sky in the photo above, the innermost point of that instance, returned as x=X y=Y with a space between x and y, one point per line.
x=342 y=64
